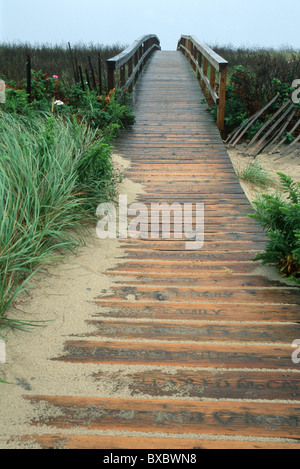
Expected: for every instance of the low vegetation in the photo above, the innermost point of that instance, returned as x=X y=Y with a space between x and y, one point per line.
x=55 y=169
x=255 y=174
x=55 y=59
x=255 y=76
x=279 y=214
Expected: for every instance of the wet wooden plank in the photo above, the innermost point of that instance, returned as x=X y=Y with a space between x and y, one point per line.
x=194 y=417
x=185 y=268
x=183 y=354
x=177 y=245
x=204 y=383
x=204 y=280
x=197 y=332
x=69 y=441
x=216 y=295
x=186 y=311
x=200 y=255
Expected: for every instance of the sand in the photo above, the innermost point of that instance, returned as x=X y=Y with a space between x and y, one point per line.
x=273 y=164
x=60 y=300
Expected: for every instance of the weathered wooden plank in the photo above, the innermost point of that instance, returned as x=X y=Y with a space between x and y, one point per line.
x=97 y=442
x=204 y=280
x=195 y=417
x=204 y=383
x=69 y=441
x=196 y=332
x=200 y=255
x=195 y=294
x=185 y=268
x=183 y=354
x=180 y=245
x=203 y=311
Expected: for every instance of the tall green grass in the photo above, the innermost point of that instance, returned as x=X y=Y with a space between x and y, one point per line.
x=47 y=195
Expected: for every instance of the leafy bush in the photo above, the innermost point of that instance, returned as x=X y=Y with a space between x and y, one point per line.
x=108 y=113
x=280 y=217
x=102 y=112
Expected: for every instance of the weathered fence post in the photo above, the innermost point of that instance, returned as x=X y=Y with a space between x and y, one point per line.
x=81 y=77
x=110 y=75
x=28 y=69
x=100 y=73
x=73 y=65
x=92 y=73
x=222 y=98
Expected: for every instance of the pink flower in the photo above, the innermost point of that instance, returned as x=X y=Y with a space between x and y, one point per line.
x=55 y=76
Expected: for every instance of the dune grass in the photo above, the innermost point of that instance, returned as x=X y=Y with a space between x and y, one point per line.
x=255 y=174
x=47 y=194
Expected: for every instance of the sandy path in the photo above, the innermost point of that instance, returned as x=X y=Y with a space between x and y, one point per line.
x=62 y=296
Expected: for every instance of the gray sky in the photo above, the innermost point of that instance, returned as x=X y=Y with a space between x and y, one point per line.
x=267 y=23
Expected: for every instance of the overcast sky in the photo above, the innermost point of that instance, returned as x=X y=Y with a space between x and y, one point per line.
x=270 y=23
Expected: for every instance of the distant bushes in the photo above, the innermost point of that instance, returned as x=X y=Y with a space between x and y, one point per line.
x=265 y=64
x=53 y=59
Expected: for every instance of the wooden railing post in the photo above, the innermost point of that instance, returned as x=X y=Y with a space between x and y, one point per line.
x=212 y=82
x=222 y=98
x=130 y=71
x=205 y=68
x=122 y=75
x=110 y=75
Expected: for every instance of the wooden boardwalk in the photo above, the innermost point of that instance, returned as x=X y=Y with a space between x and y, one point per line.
x=198 y=339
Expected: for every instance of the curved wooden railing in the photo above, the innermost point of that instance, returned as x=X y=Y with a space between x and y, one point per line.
x=131 y=61
x=206 y=63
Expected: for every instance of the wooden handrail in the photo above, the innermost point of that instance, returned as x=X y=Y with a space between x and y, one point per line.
x=203 y=57
x=133 y=59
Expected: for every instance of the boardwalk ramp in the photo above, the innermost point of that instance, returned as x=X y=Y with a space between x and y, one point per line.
x=198 y=340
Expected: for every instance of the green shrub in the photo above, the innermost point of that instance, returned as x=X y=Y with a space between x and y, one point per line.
x=280 y=217
x=108 y=113
x=103 y=112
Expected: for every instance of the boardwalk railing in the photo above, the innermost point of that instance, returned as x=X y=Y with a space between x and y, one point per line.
x=131 y=61
x=203 y=58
